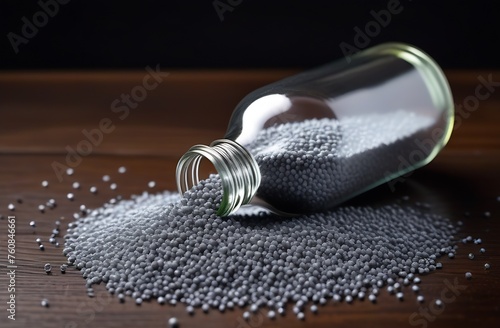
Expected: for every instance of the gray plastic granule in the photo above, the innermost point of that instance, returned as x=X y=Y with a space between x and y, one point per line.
x=190 y=309
x=173 y=322
x=173 y=249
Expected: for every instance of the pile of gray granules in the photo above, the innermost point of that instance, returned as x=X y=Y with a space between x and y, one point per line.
x=303 y=170
x=175 y=249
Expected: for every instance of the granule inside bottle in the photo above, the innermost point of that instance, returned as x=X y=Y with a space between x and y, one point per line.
x=177 y=249
x=318 y=163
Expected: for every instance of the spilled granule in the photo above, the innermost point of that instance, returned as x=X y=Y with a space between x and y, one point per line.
x=175 y=249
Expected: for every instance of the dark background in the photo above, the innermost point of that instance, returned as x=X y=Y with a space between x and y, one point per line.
x=189 y=34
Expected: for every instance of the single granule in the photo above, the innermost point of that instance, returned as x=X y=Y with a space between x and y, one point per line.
x=173 y=322
x=44 y=302
x=51 y=203
x=190 y=309
x=164 y=246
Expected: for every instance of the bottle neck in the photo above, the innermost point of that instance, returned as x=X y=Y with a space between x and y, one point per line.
x=238 y=170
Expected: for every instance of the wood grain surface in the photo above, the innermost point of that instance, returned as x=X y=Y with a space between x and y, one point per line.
x=42 y=119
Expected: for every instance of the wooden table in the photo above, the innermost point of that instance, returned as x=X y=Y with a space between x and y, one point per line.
x=43 y=114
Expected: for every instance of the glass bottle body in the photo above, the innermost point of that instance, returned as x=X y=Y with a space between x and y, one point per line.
x=318 y=138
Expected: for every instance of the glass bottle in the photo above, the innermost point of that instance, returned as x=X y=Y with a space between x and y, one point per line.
x=316 y=139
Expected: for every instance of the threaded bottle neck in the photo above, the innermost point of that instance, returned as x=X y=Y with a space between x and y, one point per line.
x=238 y=170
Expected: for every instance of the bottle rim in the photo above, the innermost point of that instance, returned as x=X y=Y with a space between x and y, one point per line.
x=434 y=78
x=436 y=83
x=238 y=170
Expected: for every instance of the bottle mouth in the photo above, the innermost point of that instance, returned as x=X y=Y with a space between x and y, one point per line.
x=238 y=171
